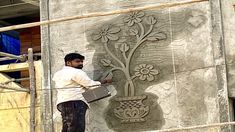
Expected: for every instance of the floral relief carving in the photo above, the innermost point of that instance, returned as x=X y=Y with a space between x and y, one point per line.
x=140 y=27
x=144 y=71
x=134 y=17
x=107 y=33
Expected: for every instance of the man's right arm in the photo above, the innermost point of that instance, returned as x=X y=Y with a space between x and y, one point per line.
x=82 y=78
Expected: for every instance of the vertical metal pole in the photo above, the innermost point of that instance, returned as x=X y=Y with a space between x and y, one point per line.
x=32 y=89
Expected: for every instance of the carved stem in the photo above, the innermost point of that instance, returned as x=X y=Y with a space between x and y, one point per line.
x=132 y=52
x=126 y=72
x=115 y=68
x=132 y=88
x=112 y=55
x=126 y=88
x=149 y=31
x=124 y=56
x=139 y=42
x=141 y=29
x=129 y=87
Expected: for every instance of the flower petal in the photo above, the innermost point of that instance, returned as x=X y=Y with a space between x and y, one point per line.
x=104 y=39
x=112 y=36
x=137 y=74
x=142 y=65
x=137 y=20
x=114 y=30
x=150 y=77
x=140 y=14
x=137 y=68
x=96 y=37
x=150 y=67
x=130 y=23
x=127 y=19
x=154 y=72
x=142 y=77
x=105 y=28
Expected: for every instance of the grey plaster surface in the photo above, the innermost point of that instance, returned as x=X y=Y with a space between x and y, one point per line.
x=188 y=89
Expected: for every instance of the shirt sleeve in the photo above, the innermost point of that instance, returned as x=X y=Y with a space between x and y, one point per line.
x=82 y=78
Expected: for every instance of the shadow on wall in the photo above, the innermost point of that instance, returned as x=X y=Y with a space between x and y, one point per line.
x=136 y=49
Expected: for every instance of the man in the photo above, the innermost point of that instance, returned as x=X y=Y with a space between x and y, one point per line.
x=70 y=101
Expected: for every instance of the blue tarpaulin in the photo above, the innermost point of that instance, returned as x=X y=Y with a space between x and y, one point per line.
x=9 y=44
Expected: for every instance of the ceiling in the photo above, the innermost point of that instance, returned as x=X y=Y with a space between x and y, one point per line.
x=18 y=11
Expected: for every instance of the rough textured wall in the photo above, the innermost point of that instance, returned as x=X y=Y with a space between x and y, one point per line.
x=165 y=70
x=228 y=22
x=228 y=17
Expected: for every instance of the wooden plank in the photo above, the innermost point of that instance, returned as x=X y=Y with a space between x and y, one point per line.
x=13 y=88
x=10 y=99
x=14 y=106
x=32 y=89
x=14 y=67
x=17 y=120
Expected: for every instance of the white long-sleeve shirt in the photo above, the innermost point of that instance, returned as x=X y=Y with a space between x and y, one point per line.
x=68 y=82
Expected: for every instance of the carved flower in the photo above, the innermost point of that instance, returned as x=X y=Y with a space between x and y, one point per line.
x=134 y=17
x=144 y=71
x=107 y=33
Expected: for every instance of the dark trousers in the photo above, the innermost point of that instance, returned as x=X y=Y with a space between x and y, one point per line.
x=73 y=115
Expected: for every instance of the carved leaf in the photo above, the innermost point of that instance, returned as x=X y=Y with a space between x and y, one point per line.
x=156 y=36
x=133 y=31
x=105 y=62
x=151 y=20
x=124 y=47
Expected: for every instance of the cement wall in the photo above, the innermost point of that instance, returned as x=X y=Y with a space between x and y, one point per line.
x=168 y=65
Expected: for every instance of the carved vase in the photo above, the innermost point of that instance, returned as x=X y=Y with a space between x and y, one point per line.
x=131 y=109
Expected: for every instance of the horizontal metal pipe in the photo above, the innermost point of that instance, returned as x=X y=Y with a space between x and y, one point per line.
x=6 y=58
x=9 y=58
x=22 y=58
x=16 y=80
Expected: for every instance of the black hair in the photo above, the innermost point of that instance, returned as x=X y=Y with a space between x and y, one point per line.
x=73 y=56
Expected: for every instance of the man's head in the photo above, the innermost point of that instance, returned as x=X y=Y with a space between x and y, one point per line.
x=74 y=60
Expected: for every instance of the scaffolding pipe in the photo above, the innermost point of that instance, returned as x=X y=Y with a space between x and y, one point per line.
x=98 y=14
x=22 y=58
x=6 y=58
x=12 y=88
x=16 y=80
x=32 y=89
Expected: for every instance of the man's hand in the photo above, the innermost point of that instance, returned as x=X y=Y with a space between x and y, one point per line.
x=105 y=81
x=107 y=78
